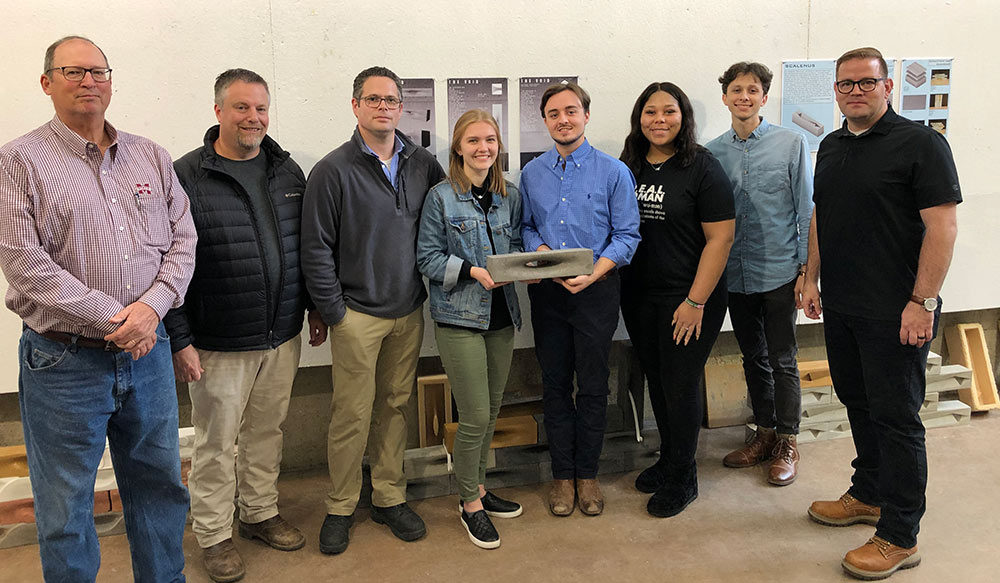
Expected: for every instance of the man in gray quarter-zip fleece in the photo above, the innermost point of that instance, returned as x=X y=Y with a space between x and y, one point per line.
x=359 y=229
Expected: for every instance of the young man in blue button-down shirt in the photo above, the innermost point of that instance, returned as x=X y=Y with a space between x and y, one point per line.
x=576 y=196
x=771 y=173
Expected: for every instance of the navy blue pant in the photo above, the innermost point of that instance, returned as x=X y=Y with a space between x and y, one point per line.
x=882 y=383
x=573 y=336
x=764 y=325
x=674 y=371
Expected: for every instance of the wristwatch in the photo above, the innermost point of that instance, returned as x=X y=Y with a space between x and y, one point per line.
x=929 y=304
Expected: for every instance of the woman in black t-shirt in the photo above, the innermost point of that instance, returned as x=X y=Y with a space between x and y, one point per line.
x=674 y=291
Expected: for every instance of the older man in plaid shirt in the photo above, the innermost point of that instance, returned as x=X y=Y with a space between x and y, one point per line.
x=97 y=243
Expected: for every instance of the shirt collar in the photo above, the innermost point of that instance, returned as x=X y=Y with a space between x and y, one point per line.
x=882 y=127
x=577 y=157
x=75 y=142
x=397 y=147
x=757 y=133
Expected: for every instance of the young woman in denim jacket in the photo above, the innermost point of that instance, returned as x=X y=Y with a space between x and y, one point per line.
x=470 y=215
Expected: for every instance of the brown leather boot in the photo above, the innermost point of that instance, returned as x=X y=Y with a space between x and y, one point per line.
x=846 y=511
x=561 y=497
x=589 y=497
x=756 y=450
x=785 y=463
x=275 y=531
x=878 y=559
x=223 y=562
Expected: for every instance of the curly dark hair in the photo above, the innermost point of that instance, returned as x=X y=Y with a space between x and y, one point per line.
x=636 y=144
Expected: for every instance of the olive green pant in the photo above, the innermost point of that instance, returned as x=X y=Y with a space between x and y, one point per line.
x=477 y=364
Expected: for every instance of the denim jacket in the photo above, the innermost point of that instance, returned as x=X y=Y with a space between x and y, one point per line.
x=453 y=229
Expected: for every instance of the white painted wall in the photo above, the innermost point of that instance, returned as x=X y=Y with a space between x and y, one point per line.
x=166 y=55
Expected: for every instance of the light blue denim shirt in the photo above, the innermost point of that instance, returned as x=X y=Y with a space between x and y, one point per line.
x=453 y=229
x=771 y=173
x=588 y=204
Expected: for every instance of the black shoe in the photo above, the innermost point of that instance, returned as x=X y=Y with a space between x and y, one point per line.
x=401 y=520
x=335 y=534
x=480 y=529
x=499 y=508
x=652 y=478
x=672 y=498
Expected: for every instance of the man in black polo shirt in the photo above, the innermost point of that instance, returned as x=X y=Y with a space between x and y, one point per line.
x=886 y=190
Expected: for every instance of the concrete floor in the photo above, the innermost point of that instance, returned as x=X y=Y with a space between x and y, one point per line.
x=739 y=529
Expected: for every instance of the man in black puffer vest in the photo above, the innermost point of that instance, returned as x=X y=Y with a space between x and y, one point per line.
x=236 y=338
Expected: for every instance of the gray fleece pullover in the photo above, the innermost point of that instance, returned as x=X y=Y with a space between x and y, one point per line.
x=359 y=234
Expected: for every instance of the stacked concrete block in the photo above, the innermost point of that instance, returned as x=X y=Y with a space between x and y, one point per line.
x=825 y=417
x=17 y=516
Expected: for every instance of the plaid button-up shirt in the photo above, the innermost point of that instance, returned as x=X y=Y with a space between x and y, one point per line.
x=83 y=235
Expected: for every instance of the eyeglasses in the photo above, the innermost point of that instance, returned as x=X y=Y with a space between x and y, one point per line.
x=98 y=74
x=867 y=84
x=373 y=101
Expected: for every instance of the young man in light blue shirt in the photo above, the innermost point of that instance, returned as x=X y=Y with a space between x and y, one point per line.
x=771 y=172
x=576 y=196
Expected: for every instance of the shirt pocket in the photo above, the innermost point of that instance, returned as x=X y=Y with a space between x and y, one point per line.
x=463 y=237
x=154 y=215
x=774 y=178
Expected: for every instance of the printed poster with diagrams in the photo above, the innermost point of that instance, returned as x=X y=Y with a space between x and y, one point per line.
x=925 y=89
x=488 y=93
x=535 y=138
x=417 y=119
x=807 y=101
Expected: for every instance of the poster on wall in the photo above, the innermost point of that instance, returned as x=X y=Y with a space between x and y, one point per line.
x=417 y=119
x=807 y=101
x=487 y=93
x=924 y=92
x=535 y=138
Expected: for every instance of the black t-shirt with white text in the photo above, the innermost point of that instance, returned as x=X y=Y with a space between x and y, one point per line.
x=673 y=203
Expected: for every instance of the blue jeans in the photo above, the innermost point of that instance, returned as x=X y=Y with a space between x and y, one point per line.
x=71 y=398
x=882 y=384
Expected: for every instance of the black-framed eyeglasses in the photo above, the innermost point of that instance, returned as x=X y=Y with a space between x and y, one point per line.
x=373 y=101
x=867 y=84
x=99 y=74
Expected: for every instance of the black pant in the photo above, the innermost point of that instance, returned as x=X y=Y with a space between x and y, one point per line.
x=674 y=372
x=882 y=383
x=573 y=335
x=764 y=324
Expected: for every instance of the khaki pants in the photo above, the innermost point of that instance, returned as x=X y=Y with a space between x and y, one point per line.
x=242 y=396
x=374 y=370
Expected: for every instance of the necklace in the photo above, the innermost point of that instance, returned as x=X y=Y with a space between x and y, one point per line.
x=656 y=167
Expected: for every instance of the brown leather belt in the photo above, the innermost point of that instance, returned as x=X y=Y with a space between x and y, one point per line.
x=69 y=339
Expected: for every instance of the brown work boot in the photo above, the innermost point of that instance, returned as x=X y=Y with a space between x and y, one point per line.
x=276 y=532
x=561 y=497
x=846 y=511
x=785 y=462
x=878 y=559
x=589 y=497
x=223 y=562
x=756 y=450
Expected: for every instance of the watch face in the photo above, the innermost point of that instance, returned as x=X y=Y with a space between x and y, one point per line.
x=930 y=304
